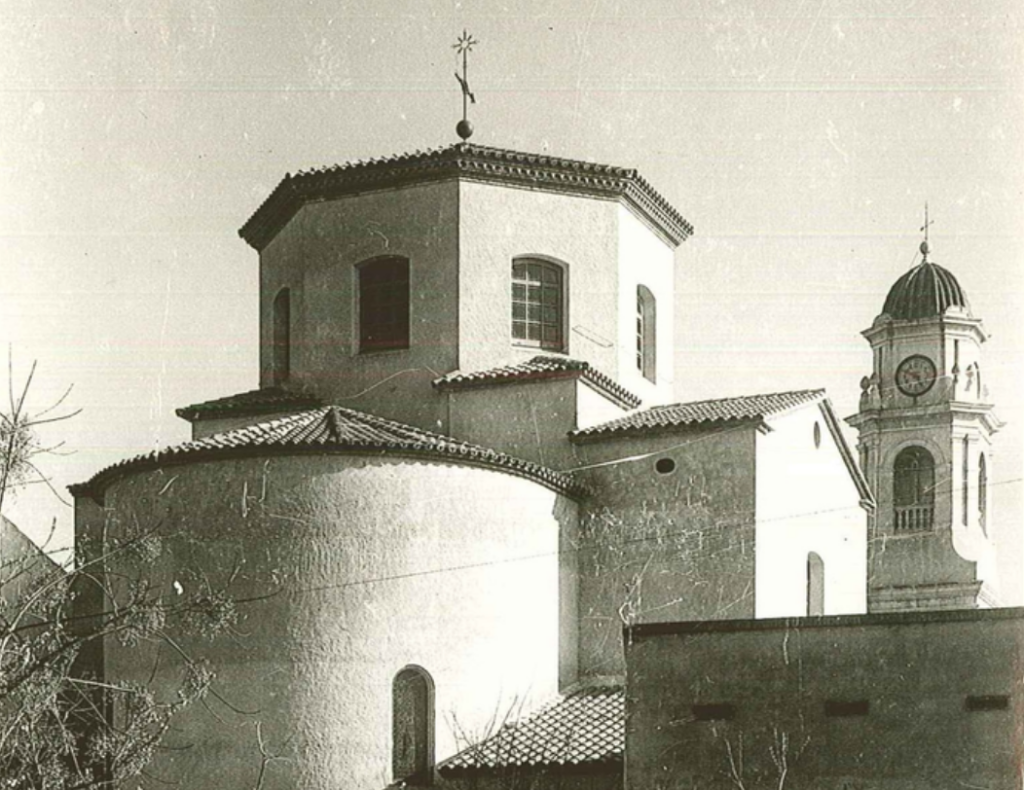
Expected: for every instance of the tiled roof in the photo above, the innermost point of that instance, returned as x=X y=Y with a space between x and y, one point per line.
x=538 y=369
x=476 y=162
x=331 y=429
x=682 y=415
x=585 y=727
x=262 y=401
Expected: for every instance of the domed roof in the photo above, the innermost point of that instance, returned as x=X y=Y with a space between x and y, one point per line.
x=925 y=291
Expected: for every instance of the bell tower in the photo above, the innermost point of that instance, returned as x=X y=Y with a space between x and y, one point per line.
x=925 y=426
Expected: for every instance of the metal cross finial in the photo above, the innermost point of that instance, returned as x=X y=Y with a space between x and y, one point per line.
x=924 y=244
x=463 y=47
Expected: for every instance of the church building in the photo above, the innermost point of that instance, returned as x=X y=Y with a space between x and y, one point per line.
x=467 y=482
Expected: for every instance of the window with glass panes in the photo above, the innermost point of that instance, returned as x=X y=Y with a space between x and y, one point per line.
x=537 y=304
x=646 y=347
x=384 y=304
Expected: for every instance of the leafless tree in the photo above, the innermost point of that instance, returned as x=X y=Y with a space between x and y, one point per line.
x=62 y=725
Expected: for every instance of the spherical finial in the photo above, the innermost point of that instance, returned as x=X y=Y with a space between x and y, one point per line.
x=464 y=129
x=924 y=248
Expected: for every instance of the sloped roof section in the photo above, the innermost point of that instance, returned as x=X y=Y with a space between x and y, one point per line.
x=702 y=413
x=542 y=368
x=330 y=429
x=262 y=401
x=463 y=160
x=585 y=727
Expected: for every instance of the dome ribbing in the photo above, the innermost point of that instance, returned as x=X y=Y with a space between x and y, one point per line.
x=925 y=291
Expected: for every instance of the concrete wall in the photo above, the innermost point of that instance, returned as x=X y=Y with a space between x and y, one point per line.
x=807 y=502
x=915 y=673
x=315 y=255
x=349 y=557
x=657 y=547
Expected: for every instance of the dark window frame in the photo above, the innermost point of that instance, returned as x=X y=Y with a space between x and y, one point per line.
x=383 y=285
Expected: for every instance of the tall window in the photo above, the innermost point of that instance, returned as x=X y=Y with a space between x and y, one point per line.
x=965 y=479
x=384 y=304
x=412 y=725
x=815 y=585
x=982 y=491
x=913 y=490
x=538 y=304
x=282 y=342
x=646 y=328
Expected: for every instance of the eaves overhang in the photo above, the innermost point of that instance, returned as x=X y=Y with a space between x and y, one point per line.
x=470 y=162
x=331 y=430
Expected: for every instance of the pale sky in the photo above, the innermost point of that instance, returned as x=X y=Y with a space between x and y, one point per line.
x=801 y=139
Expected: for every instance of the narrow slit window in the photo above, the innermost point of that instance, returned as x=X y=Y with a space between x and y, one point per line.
x=646 y=333
x=965 y=480
x=538 y=298
x=982 y=492
x=815 y=585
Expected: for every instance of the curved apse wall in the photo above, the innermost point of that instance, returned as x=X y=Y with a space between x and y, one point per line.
x=350 y=553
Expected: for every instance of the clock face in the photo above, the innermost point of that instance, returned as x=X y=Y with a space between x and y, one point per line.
x=915 y=375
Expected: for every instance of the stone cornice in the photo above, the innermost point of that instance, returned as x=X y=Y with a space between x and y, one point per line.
x=471 y=162
x=884 y=326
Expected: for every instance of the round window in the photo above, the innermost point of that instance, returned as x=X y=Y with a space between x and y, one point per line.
x=665 y=466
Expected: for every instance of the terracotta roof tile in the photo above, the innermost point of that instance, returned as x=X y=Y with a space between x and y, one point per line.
x=539 y=369
x=262 y=401
x=330 y=429
x=587 y=726
x=476 y=162
x=682 y=415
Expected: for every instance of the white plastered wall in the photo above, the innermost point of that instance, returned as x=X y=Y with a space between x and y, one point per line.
x=806 y=501
x=645 y=259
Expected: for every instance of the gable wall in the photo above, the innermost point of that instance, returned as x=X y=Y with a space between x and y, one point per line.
x=807 y=501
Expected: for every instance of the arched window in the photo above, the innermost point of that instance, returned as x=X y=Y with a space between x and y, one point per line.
x=913 y=490
x=383 y=304
x=982 y=491
x=538 y=304
x=646 y=328
x=815 y=585
x=412 y=725
x=282 y=342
